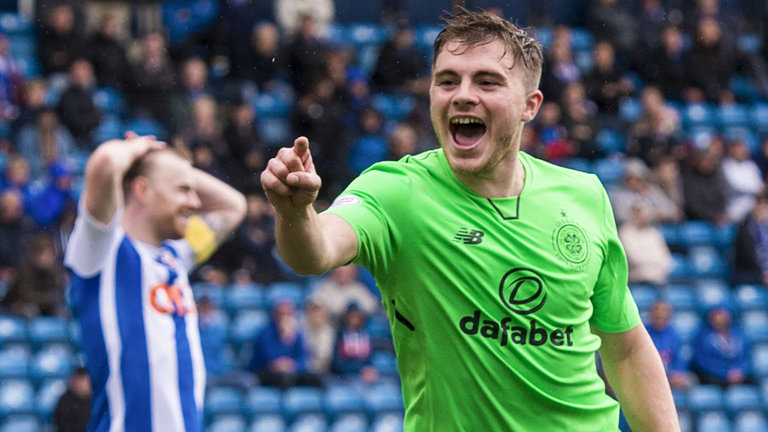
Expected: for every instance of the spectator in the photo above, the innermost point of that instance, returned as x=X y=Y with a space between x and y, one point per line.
x=721 y=351
x=280 y=356
x=33 y=99
x=668 y=343
x=11 y=82
x=402 y=141
x=260 y=60
x=73 y=410
x=552 y=134
x=606 y=84
x=579 y=116
x=151 y=79
x=320 y=337
x=704 y=187
x=744 y=181
x=77 y=109
x=44 y=142
x=665 y=66
x=560 y=69
x=305 y=55
x=647 y=252
x=16 y=175
x=247 y=151
x=236 y=28
x=189 y=25
x=637 y=189
x=106 y=53
x=341 y=288
x=710 y=64
x=204 y=136
x=653 y=16
x=46 y=204
x=61 y=41
x=400 y=62
x=16 y=229
x=667 y=175
x=371 y=146
x=656 y=133
x=750 y=261
x=607 y=20
x=193 y=84
x=353 y=351
x=291 y=14
x=38 y=288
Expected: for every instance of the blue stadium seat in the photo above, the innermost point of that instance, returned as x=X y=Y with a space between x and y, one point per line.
x=342 y=399
x=52 y=363
x=16 y=397
x=758 y=116
x=695 y=233
x=275 y=130
x=47 y=397
x=609 y=170
x=146 y=126
x=349 y=11
x=695 y=114
x=12 y=329
x=214 y=292
x=111 y=127
x=350 y=423
x=680 y=397
x=367 y=33
x=686 y=421
x=750 y=421
x=751 y=297
x=713 y=421
x=630 y=109
x=733 y=115
x=681 y=268
x=223 y=400
x=298 y=401
x=425 y=36
x=707 y=262
x=15 y=23
x=268 y=105
x=743 y=397
x=268 y=423
x=686 y=322
x=711 y=292
x=263 y=401
x=21 y=423
x=760 y=364
x=385 y=362
x=246 y=326
x=383 y=398
x=644 y=295
x=611 y=140
x=749 y=43
x=109 y=100
x=47 y=330
x=581 y=39
x=292 y=291
x=14 y=362
x=228 y=423
x=387 y=422
x=745 y=134
x=705 y=398
x=755 y=324
x=309 y=423
x=682 y=297
x=237 y=299
x=393 y=107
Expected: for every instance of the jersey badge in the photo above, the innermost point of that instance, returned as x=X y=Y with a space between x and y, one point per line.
x=345 y=200
x=570 y=242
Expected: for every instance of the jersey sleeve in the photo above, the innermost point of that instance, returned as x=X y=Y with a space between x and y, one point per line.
x=614 y=308
x=368 y=205
x=90 y=241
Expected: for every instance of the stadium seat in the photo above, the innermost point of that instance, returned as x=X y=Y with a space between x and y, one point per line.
x=707 y=262
x=425 y=36
x=298 y=401
x=214 y=292
x=274 y=130
x=680 y=397
x=686 y=322
x=713 y=421
x=51 y=363
x=268 y=423
x=367 y=33
x=695 y=114
x=21 y=423
x=682 y=297
x=686 y=421
x=227 y=423
x=743 y=397
x=16 y=397
x=750 y=421
x=695 y=233
x=245 y=326
x=749 y=43
x=581 y=39
x=350 y=11
x=681 y=268
x=47 y=397
x=760 y=363
x=109 y=100
x=263 y=401
x=758 y=116
x=711 y=292
x=14 y=362
x=46 y=330
x=146 y=126
x=269 y=105
x=342 y=399
x=12 y=329
x=388 y=422
x=385 y=362
x=309 y=423
x=630 y=109
x=383 y=398
x=755 y=324
x=734 y=114
x=111 y=127
x=611 y=140
x=751 y=297
x=350 y=423
x=223 y=400
x=745 y=134
x=292 y=291
x=609 y=170
x=705 y=398
x=394 y=108
x=238 y=299
x=15 y=23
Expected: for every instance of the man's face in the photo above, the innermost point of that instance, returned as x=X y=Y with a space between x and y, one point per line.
x=479 y=104
x=171 y=195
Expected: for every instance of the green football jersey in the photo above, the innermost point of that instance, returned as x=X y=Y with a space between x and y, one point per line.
x=490 y=301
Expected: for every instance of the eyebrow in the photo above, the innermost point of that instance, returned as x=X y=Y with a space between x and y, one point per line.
x=478 y=74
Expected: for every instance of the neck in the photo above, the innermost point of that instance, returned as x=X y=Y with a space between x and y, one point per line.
x=505 y=181
x=137 y=229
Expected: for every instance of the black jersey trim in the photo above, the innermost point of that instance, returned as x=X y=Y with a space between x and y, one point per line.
x=403 y=320
x=501 y=213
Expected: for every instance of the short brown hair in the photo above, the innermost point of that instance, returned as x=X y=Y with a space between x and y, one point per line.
x=478 y=28
x=141 y=166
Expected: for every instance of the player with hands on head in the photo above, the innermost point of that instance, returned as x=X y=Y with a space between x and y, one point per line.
x=146 y=217
x=501 y=274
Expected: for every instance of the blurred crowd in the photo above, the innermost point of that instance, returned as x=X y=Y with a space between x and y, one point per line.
x=231 y=80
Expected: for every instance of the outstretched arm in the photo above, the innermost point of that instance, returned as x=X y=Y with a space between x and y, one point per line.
x=308 y=242
x=636 y=374
x=104 y=173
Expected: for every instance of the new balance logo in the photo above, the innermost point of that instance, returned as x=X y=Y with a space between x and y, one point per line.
x=468 y=236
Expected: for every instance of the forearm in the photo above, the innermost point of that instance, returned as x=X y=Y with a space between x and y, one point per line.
x=223 y=207
x=636 y=374
x=313 y=244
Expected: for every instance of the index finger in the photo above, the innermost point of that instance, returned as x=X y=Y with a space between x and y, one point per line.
x=301 y=147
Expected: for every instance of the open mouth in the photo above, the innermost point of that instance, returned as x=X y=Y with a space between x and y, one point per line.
x=466 y=131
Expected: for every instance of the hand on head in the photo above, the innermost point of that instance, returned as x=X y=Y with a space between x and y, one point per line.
x=290 y=180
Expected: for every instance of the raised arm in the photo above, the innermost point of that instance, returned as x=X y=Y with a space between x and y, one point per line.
x=222 y=206
x=308 y=242
x=104 y=172
x=636 y=374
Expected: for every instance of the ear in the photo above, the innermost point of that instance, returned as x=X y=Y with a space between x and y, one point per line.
x=140 y=189
x=532 y=104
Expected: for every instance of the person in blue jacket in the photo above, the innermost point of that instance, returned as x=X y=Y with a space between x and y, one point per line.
x=722 y=352
x=668 y=342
